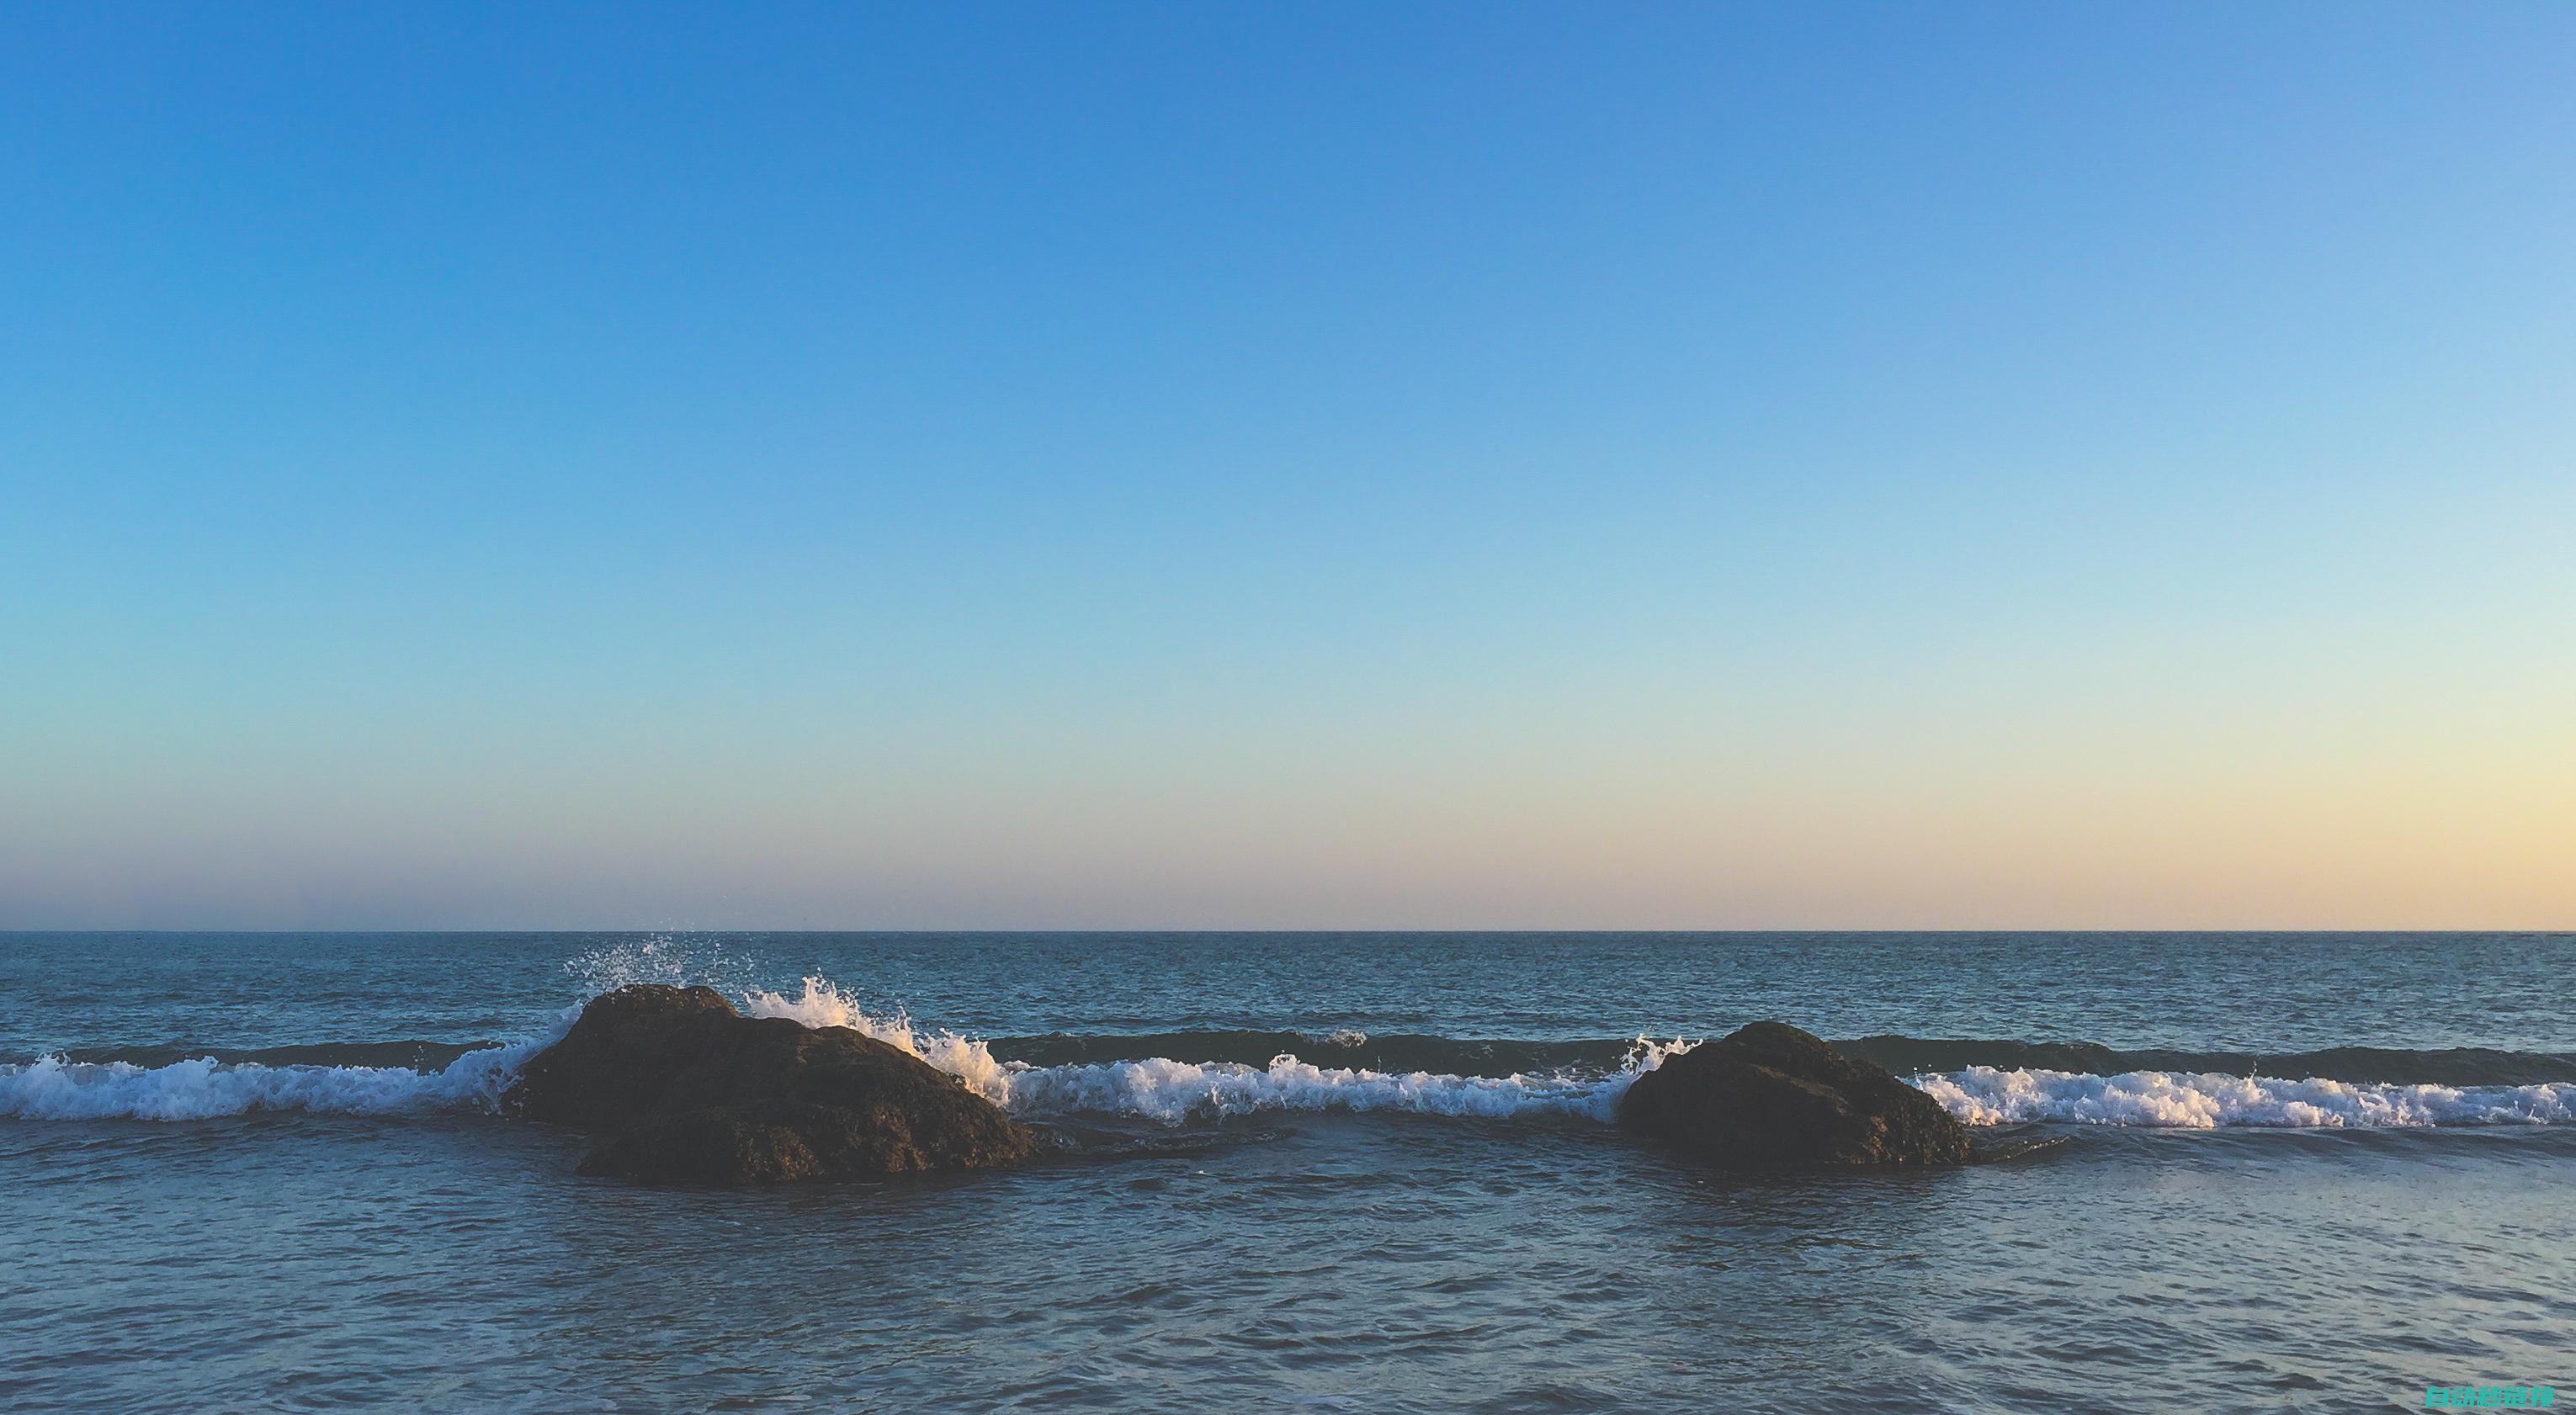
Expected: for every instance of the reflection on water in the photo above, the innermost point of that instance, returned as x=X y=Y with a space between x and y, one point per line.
x=1351 y=1262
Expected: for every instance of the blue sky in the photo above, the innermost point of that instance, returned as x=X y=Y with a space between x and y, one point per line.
x=1287 y=466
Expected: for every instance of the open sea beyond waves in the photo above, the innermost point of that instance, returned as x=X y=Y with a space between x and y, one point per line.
x=1362 y=1172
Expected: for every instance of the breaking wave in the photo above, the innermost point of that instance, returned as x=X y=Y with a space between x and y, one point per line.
x=1172 y=1077
x=2445 y=1066
x=1158 y=1087
x=1174 y=1091
x=1983 y=1095
x=202 y=1088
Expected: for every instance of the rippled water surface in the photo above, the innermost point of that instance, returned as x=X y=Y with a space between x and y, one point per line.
x=1293 y=1253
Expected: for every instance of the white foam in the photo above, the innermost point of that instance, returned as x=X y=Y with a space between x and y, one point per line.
x=1983 y=1095
x=1174 y=1091
x=822 y=1004
x=50 y=1088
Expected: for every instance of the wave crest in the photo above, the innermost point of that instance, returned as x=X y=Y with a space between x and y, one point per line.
x=51 y=1088
x=1174 y=1091
x=1984 y=1095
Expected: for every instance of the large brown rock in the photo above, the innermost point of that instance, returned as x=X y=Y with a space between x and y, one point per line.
x=680 y=1088
x=1773 y=1097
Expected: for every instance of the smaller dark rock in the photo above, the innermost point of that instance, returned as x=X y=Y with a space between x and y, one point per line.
x=1771 y=1096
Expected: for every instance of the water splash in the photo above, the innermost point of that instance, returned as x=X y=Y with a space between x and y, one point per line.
x=823 y=1004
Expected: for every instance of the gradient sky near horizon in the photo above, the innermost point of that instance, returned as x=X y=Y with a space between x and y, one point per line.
x=1287 y=466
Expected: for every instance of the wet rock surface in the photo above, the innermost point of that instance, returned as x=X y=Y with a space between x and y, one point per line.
x=1773 y=1097
x=680 y=1088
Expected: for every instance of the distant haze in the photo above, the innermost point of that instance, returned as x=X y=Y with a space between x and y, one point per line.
x=1287 y=466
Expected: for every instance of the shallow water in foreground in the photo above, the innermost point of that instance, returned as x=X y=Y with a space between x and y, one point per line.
x=1300 y=1255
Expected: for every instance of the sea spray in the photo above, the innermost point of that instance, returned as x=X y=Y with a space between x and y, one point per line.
x=666 y=960
x=822 y=1004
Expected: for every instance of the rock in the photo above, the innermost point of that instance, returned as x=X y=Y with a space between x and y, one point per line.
x=683 y=1089
x=764 y=1142
x=1771 y=1096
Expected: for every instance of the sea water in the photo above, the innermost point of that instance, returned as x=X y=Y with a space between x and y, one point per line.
x=1302 y=1171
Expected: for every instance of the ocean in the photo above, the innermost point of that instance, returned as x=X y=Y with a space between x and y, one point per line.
x=1355 y=1172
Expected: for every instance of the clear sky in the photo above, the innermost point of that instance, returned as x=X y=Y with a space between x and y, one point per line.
x=1288 y=465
